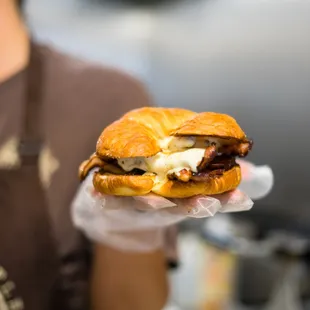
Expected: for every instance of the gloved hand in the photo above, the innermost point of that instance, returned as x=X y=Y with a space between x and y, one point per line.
x=137 y=223
x=257 y=181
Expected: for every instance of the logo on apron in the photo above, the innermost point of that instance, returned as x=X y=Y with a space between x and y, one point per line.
x=7 y=299
x=9 y=157
x=48 y=165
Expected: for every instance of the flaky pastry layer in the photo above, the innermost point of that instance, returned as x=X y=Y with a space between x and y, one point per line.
x=211 y=124
x=123 y=185
x=140 y=132
x=129 y=185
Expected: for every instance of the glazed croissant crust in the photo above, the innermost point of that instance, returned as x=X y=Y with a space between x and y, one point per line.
x=135 y=153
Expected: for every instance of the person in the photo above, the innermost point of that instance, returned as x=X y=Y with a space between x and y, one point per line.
x=52 y=109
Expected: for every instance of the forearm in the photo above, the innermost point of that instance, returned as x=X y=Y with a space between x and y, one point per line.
x=123 y=280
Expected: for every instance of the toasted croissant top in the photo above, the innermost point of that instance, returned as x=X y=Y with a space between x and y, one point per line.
x=211 y=124
x=139 y=132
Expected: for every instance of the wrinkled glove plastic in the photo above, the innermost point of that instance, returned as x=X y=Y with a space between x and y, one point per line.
x=257 y=181
x=137 y=223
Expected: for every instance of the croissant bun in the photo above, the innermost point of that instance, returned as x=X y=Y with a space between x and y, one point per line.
x=139 y=134
x=128 y=185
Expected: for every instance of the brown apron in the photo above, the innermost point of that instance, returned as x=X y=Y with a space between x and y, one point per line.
x=29 y=264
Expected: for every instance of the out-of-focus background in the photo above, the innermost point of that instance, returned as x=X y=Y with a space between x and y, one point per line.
x=248 y=58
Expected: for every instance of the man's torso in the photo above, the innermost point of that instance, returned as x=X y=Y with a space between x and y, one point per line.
x=79 y=100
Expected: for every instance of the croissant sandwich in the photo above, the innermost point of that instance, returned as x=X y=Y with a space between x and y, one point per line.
x=175 y=153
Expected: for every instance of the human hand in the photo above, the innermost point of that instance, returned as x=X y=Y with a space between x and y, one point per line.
x=137 y=223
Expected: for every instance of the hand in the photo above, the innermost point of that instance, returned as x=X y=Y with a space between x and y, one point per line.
x=137 y=223
x=257 y=181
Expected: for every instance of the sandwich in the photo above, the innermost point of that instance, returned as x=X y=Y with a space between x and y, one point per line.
x=172 y=152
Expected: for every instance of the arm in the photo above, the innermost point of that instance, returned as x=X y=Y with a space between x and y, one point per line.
x=122 y=280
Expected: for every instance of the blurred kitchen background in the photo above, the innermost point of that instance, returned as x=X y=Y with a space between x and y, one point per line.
x=248 y=58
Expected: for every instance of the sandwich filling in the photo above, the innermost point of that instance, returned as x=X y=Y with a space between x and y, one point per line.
x=182 y=158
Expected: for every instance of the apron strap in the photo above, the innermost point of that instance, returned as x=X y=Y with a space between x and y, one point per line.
x=32 y=132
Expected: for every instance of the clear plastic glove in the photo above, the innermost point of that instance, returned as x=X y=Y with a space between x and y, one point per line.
x=257 y=181
x=137 y=223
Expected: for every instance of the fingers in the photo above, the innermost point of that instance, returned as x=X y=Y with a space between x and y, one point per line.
x=197 y=207
x=154 y=202
x=257 y=181
x=234 y=201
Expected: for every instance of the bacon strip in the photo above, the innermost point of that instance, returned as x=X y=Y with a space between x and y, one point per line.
x=95 y=161
x=241 y=149
x=87 y=165
x=209 y=155
x=215 y=168
x=207 y=175
x=222 y=162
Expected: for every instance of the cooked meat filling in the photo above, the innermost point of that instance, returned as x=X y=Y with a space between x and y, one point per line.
x=193 y=164
x=214 y=169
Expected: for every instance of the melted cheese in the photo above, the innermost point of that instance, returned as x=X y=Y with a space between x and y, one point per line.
x=177 y=170
x=178 y=153
x=129 y=164
x=163 y=163
x=177 y=143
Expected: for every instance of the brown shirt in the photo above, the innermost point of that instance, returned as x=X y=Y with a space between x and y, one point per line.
x=79 y=100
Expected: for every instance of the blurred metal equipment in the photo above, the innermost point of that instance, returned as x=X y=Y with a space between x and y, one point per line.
x=231 y=268
x=269 y=273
